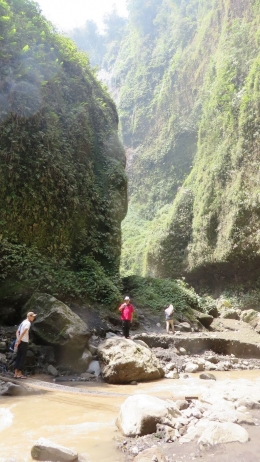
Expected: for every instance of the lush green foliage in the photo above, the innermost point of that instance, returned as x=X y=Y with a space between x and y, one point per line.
x=156 y=293
x=25 y=270
x=187 y=84
x=62 y=180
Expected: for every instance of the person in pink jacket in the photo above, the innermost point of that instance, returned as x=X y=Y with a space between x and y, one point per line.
x=127 y=311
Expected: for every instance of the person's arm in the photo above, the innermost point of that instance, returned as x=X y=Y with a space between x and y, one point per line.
x=121 y=307
x=21 y=336
x=132 y=314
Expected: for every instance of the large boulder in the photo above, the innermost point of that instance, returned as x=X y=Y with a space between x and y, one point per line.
x=51 y=452
x=204 y=319
x=123 y=361
x=250 y=316
x=219 y=433
x=230 y=313
x=58 y=326
x=139 y=414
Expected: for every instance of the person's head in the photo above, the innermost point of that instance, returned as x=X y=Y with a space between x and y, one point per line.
x=31 y=316
x=127 y=299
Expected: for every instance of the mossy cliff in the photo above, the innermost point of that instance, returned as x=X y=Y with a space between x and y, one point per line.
x=62 y=179
x=186 y=78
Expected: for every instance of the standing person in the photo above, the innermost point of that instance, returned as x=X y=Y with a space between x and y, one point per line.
x=22 y=342
x=169 y=318
x=127 y=311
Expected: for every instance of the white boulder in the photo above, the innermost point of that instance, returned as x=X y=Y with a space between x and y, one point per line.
x=52 y=452
x=123 y=360
x=219 y=433
x=139 y=414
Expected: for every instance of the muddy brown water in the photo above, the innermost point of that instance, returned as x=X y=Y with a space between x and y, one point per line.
x=83 y=417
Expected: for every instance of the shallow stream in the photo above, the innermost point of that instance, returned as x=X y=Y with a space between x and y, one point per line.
x=86 y=422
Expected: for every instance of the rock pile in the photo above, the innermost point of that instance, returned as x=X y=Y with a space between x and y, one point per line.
x=217 y=416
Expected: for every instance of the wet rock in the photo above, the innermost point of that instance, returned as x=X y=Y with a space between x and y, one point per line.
x=182 y=404
x=200 y=363
x=11 y=389
x=209 y=366
x=207 y=376
x=85 y=359
x=123 y=361
x=153 y=454
x=170 y=366
x=46 y=450
x=182 y=351
x=57 y=325
x=139 y=414
x=172 y=375
x=94 y=368
x=52 y=370
x=191 y=368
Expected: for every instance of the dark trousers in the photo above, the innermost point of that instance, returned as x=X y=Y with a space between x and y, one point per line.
x=21 y=356
x=126 y=328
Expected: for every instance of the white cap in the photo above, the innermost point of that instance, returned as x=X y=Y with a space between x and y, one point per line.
x=127 y=298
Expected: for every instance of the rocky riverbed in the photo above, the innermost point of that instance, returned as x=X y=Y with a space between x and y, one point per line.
x=202 y=421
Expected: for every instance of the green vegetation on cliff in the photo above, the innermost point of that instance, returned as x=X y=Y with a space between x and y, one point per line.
x=186 y=79
x=62 y=180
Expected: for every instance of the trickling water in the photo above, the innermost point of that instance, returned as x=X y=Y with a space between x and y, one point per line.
x=86 y=422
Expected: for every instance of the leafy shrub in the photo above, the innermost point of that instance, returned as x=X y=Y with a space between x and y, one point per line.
x=156 y=293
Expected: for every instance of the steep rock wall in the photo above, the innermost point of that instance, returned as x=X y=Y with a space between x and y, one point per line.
x=62 y=179
x=187 y=86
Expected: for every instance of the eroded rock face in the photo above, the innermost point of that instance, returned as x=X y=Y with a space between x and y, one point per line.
x=58 y=326
x=139 y=414
x=51 y=452
x=123 y=361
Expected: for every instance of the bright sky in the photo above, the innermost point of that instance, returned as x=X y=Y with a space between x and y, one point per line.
x=67 y=14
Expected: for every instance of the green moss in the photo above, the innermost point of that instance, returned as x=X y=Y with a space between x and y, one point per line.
x=62 y=179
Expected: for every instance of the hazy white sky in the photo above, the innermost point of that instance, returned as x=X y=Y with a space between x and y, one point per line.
x=67 y=14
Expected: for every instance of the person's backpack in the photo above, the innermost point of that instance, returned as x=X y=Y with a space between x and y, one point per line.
x=11 y=347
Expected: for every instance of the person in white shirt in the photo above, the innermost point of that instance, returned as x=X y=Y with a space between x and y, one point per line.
x=21 y=344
